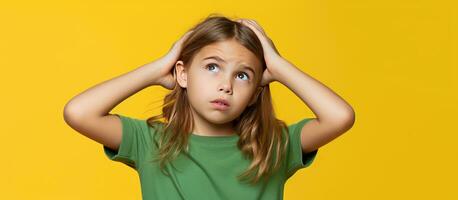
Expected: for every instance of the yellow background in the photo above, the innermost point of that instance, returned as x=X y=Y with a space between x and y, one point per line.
x=394 y=62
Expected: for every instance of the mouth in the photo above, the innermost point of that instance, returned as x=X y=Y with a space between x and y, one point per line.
x=220 y=104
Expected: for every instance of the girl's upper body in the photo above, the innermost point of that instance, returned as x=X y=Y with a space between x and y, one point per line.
x=220 y=125
x=210 y=169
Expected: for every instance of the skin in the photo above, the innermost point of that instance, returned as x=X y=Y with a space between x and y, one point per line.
x=209 y=79
x=334 y=115
x=88 y=112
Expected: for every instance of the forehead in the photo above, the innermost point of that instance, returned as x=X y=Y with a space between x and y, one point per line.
x=232 y=52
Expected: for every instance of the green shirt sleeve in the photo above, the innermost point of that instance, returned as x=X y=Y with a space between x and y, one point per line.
x=134 y=143
x=296 y=159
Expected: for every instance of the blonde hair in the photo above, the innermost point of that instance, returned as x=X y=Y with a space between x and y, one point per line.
x=260 y=132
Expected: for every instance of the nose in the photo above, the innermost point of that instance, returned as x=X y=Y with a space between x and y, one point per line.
x=226 y=90
x=226 y=87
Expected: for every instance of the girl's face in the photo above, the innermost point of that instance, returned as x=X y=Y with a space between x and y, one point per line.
x=225 y=70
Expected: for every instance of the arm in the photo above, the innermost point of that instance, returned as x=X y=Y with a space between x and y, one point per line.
x=88 y=112
x=334 y=115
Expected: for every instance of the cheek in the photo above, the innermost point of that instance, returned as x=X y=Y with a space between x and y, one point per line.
x=201 y=83
x=199 y=87
x=243 y=93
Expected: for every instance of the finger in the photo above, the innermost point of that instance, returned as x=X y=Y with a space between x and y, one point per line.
x=250 y=24
x=255 y=24
x=259 y=34
x=182 y=38
x=252 y=27
x=186 y=35
x=264 y=80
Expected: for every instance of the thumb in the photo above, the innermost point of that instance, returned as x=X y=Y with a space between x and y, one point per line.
x=170 y=82
x=266 y=78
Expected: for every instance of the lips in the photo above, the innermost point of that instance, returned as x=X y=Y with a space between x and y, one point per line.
x=222 y=101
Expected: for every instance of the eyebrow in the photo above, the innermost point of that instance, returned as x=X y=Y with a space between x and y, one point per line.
x=223 y=61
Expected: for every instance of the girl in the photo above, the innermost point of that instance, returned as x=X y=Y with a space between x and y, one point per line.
x=219 y=137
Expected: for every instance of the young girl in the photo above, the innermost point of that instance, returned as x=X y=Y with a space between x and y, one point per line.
x=219 y=137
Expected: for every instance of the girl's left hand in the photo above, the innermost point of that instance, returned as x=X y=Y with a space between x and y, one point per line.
x=271 y=56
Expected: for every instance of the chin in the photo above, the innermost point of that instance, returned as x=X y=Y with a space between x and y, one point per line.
x=218 y=118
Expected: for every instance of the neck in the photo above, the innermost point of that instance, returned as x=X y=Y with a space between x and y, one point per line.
x=204 y=127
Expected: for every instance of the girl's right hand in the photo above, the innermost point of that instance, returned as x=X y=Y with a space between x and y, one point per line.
x=166 y=73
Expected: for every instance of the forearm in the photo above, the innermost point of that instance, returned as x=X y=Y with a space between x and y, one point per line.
x=323 y=102
x=100 y=99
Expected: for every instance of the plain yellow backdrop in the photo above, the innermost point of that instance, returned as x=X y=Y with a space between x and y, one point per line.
x=394 y=62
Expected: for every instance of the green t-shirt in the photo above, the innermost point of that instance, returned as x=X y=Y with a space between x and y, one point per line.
x=210 y=169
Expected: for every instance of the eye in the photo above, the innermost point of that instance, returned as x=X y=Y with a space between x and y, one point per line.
x=211 y=65
x=248 y=77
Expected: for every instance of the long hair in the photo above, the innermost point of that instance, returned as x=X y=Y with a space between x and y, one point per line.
x=260 y=132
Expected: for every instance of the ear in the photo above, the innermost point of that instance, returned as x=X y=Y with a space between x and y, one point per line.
x=181 y=74
x=255 y=96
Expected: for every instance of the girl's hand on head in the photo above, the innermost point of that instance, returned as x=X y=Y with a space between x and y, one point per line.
x=167 y=62
x=271 y=56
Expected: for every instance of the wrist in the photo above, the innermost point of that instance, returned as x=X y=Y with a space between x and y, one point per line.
x=284 y=72
x=150 y=73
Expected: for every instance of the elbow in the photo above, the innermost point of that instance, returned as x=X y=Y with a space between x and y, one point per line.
x=347 y=120
x=70 y=114
x=343 y=120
